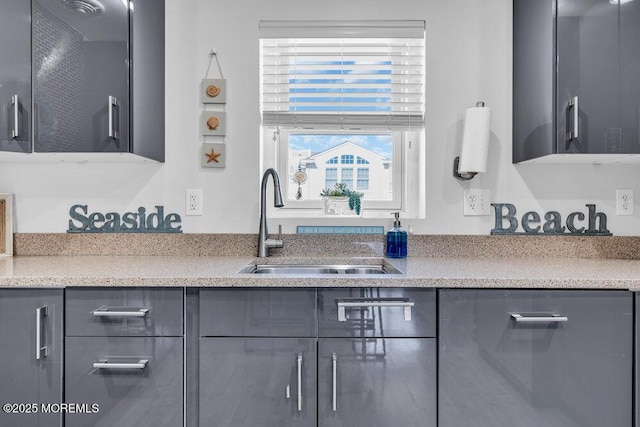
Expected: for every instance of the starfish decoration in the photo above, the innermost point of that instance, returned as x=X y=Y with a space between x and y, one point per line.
x=213 y=156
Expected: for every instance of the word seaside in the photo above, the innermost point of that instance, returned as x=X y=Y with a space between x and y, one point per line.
x=129 y=222
x=552 y=224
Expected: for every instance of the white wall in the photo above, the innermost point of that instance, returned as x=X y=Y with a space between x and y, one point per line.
x=468 y=59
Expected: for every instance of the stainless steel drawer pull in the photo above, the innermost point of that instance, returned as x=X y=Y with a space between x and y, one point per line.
x=15 y=103
x=111 y=312
x=41 y=350
x=575 y=125
x=334 y=367
x=376 y=302
x=299 y=382
x=549 y=318
x=113 y=105
x=105 y=364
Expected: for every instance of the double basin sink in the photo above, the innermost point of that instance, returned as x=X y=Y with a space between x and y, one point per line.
x=324 y=269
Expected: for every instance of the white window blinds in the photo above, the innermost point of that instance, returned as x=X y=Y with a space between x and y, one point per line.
x=348 y=74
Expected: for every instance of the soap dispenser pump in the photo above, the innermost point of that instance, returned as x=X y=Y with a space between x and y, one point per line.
x=397 y=239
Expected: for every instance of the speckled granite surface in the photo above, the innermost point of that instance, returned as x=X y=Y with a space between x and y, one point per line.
x=222 y=271
x=495 y=247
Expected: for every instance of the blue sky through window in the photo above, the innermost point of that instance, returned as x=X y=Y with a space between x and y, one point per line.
x=379 y=143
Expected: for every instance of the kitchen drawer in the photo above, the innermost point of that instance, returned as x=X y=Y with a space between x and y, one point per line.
x=134 y=397
x=124 y=312
x=258 y=312
x=567 y=362
x=377 y=312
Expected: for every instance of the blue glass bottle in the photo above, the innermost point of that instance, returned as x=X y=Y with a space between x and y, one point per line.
x=397 y=240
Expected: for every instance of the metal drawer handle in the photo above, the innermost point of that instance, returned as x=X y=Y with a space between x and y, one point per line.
x=573 y=133
x=334 y=366
x=377 y=302
x=15 y=103
x=109 y=312
x=113 y=131
x=299 y=382
x=41 y=350
x=551 y=318
x=105 y=364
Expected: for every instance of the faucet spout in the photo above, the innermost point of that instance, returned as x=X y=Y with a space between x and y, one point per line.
x=264 y=243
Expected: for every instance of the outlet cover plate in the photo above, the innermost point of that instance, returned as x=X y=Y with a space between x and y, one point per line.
x=477 y=202
x=624 y=202
x=193 y=202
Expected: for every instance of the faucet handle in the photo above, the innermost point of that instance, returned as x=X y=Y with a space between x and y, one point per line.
x=279 y=231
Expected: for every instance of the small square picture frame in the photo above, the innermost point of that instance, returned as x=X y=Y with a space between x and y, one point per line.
x=213 y=91
x=213 y=155
x=213 y=123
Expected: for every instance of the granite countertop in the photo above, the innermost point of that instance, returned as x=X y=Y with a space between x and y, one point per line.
x=207 y=271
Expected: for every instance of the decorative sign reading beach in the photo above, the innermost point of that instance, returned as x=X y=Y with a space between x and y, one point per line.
x=592 y=223
x=129 y=222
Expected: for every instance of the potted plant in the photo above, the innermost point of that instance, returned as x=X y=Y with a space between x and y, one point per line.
x=337 y=199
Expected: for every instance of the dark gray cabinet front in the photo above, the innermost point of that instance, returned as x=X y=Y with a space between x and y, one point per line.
x=535 y=358
x=266 y=382
x=576 y=88
x=15 y=76
x=134 y=381
x=377 y=382
x=30 y=355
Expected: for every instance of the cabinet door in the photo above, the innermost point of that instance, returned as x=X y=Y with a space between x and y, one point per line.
x=630 y=73
x=501 y=372
x=81 y=76
x=15 y=76
x=266 y=382
x=373 y=382
x=30 y=319
x=138 y=381
x=588 y=51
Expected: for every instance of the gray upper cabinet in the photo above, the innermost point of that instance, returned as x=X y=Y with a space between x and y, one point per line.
x=31 y=355
x=15 y=76
x=85 y=62
x=575 y=79
x=535 y=358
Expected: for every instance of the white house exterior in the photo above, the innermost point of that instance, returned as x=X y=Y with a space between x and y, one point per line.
x=361 y=169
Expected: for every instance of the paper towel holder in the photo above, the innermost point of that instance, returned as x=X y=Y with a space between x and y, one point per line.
x=466 y=176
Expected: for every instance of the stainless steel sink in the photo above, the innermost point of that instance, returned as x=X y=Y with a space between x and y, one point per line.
x=309 y=269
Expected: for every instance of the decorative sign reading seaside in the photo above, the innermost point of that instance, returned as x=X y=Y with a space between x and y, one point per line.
x=130 y=222
x=505 y=214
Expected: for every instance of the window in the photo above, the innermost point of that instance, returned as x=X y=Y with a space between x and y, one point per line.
x=340 y=101
x=363 y=179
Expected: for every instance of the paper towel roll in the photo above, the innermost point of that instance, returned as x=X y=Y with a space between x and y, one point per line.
x=475 y=140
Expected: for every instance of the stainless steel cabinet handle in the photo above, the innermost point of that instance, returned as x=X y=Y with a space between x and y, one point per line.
x=573 y=133
x=105 y=364
x=299 y=382
x=334 y=366
x=113 y=104
x=15 y=103
x=551 y=318
x=376 y=302
x=109 y=312
x=41 y=350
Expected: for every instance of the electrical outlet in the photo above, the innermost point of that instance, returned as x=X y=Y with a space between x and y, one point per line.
x=624 y=202
x=477 y=202
x=194 y=202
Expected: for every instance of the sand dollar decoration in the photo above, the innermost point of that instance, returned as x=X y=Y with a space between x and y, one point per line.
x=213 y=91
x=213 y=123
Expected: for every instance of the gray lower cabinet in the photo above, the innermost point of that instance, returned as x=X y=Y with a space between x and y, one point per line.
x=533 y=358
x=124 y=353
x=377 y=382
x=30 y=355
x=266 y=382
x=377 y=357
